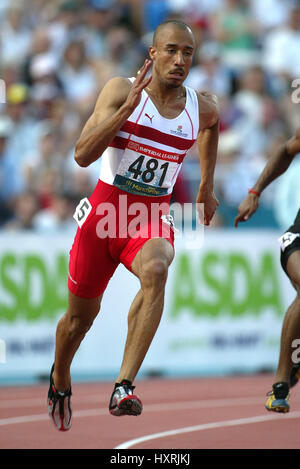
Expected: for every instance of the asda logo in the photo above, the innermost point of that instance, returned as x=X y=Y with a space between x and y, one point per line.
x=32 y=287
x=232 y=284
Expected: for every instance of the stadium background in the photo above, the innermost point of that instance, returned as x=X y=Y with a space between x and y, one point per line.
x=55 y=58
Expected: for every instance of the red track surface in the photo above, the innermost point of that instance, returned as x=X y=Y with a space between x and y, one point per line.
x=221 y=413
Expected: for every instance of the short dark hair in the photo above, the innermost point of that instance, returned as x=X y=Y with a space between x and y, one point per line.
x=177 y=23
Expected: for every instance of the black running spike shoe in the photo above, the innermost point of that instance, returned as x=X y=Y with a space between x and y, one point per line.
x=59 y=406
x=295 y=375
x=123 y=401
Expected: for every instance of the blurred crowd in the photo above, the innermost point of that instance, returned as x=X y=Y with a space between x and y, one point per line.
x=56 y=56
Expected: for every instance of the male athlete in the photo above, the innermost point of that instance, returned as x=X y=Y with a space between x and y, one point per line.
x=141 y=128
x=287 y=373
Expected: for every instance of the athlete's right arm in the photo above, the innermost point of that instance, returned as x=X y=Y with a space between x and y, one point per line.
x=115 y=104
x=276 y=166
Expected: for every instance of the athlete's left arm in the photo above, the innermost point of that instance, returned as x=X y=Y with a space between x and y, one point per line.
x=207 y=140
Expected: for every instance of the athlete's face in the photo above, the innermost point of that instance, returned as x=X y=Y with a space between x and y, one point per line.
x=172 y=55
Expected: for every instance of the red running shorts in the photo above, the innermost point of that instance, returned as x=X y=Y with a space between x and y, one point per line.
x=113 y=226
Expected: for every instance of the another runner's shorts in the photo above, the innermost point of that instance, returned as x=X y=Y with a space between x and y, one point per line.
x=113 y=226
x=290 y=241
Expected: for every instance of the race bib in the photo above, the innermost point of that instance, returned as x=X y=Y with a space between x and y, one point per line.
x=145 y=170
x=287 y=239
x=82 y=211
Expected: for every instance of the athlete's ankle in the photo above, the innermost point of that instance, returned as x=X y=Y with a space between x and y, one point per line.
x=123 y=381
x=61 y=384
x=282 y=377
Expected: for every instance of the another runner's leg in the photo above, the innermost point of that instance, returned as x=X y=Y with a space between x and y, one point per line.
x=291 y=323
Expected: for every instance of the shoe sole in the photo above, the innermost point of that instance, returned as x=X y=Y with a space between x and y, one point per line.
x=281 y=408
x=60 y=426
x=59 y=421
x=130 y=405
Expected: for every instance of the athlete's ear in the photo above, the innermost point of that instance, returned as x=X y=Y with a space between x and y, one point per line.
x=152 y=52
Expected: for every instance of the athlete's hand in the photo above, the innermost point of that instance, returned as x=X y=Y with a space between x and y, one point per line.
x=138 y=85
x=207 y=204
x=246 y=208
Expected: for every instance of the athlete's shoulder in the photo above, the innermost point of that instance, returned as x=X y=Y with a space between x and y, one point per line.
x=208 y=108
x=116 y=89
x=207 y=97
x=117 y=82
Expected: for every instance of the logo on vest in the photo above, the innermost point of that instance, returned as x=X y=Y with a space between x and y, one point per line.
x=150 y=118
x=133 y=145
x=178 y=132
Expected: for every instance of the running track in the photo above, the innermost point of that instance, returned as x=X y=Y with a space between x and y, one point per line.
x=214 y=413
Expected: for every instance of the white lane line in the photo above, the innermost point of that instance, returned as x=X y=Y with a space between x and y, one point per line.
x=207 y=426
x=185 y=405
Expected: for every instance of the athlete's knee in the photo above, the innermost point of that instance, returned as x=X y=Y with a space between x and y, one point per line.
x=80 y=315
x=154 y=273
x=77 y=325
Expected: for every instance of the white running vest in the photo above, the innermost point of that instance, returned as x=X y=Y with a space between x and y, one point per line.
x=146 y=154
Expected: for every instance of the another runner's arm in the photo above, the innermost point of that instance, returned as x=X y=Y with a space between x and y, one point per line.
x=278 y=163
x=276 y=166
x=115 y=104
x=208 y=138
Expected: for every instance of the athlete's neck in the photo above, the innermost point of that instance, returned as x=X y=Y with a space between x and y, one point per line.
x=165 y=94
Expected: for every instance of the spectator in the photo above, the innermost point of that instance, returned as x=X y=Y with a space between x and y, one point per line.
x=10 y=184
x=44 y=159
x=124 y=54
x=15 y=37
x=256 y=111
x=40 y=44
x=270 y=13
x=99 y=17
x=26 y=128
x=26 y=207
x=235 y=29
x=281 y=48
x=47 y=186
x=155 y=12
x=78 y=77
x=209 y=72
x=58 y=217
x=64 y=25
